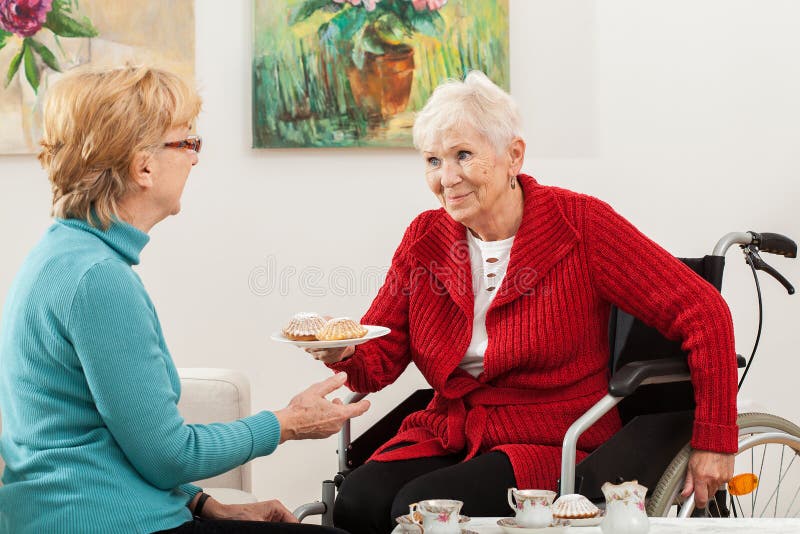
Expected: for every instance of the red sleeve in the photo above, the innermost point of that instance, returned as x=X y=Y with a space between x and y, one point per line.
x=379 y=362
x=634 y=273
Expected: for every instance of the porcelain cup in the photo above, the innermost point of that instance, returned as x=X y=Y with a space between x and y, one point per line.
x=533 y=507
x=439 y=516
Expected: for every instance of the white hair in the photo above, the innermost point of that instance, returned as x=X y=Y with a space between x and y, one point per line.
x=476 y=102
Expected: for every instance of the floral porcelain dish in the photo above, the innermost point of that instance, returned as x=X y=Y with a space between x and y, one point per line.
x=407 y=525
x=510 y=526
x=588 y=521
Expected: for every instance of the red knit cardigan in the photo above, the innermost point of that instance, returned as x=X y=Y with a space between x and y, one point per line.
x=547 y=358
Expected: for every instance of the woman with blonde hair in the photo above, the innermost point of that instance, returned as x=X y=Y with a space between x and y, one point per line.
x=92 y=437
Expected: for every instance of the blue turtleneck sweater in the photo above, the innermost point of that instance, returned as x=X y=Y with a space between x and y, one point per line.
x=92 y=437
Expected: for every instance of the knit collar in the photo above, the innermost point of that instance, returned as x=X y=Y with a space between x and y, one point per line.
x=125 y=239
x=544 y=237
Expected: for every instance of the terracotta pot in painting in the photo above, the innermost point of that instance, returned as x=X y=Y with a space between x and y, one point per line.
x=383 y=85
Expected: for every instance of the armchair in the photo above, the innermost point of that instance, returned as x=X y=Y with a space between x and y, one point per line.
x=210 y=395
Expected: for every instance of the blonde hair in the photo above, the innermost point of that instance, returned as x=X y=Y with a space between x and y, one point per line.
x=95 y=121
x=476 y=102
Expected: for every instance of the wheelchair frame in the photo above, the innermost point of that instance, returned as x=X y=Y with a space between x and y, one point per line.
x=623 y=383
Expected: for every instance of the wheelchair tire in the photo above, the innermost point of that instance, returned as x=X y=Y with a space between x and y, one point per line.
x=667 y=491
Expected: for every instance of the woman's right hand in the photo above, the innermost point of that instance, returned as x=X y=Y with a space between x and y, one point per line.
x=310 y=415
x=333 y=355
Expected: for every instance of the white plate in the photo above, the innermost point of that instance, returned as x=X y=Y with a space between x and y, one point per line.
x=510 y=526
x=372 y=333
x=588 y=521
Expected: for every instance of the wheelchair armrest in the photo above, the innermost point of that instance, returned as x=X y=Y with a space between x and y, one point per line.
x=354 y=397
x=344 y=433
x=630 y=376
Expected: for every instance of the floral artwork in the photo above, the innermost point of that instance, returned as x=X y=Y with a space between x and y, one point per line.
x=332 y=73
x=42 y=39
x=25 y=18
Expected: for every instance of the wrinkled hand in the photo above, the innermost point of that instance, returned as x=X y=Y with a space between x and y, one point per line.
x=707 y=471
x=333 y=355
x=310 y=415
x=273 y=511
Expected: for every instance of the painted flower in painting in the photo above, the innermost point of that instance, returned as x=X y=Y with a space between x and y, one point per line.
x=372 y=26
x=369 y=5
x=24 y=17
x=432 y=5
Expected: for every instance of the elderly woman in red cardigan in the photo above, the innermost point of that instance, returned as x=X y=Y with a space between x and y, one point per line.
x=501 y=299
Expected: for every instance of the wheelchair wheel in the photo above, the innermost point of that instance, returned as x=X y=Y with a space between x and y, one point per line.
x=768 y=448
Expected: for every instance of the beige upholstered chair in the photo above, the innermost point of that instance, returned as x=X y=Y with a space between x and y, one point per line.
x=209 y=396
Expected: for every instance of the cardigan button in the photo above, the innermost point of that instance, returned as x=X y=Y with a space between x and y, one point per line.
x=490 y=275
x=492 y=260
x=490 y=288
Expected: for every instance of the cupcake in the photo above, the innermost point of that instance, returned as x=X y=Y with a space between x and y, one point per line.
x=341 y=328
x=574 y=506
x=303 y=326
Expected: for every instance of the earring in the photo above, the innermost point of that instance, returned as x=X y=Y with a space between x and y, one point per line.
x=513 y=182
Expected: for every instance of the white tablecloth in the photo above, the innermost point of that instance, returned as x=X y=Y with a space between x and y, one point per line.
x=661 y=525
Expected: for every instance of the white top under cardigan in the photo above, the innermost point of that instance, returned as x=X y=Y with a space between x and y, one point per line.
x=489 y=262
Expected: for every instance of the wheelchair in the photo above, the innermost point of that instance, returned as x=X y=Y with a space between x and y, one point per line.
x=651 y=388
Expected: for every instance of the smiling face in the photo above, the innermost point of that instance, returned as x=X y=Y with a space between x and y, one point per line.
x=469 y=177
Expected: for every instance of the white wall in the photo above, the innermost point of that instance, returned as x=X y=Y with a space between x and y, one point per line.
x=683 y=115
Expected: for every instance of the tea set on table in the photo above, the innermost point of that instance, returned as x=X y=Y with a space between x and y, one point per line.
x=538 y=513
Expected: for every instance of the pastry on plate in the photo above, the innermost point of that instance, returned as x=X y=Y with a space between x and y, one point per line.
x=574 y=506
x=303 y=326
x=341 y=328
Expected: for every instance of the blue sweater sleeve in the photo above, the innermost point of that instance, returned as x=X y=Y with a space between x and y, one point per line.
x=116 y=335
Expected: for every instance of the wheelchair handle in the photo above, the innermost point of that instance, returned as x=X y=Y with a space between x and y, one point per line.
x=775 y=244
x=769 y=242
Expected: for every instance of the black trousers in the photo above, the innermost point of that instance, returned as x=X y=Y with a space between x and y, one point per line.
x=218 y=526
x=373 y=495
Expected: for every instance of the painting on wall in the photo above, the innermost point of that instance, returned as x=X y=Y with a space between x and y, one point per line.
x=42 y=39
x=343 y=73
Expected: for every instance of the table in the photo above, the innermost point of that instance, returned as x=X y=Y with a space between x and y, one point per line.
x=663 y=525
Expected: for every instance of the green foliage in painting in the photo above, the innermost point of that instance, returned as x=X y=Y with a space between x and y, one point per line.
x=4 y=35
x=65 y=26
x=44 y=53
x=13 y=65
x=31 y=72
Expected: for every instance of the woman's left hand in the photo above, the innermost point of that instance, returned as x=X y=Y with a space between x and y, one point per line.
x=273 y=511
x=707 y=471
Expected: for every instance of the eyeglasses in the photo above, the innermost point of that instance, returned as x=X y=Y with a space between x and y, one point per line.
x=193 y=142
